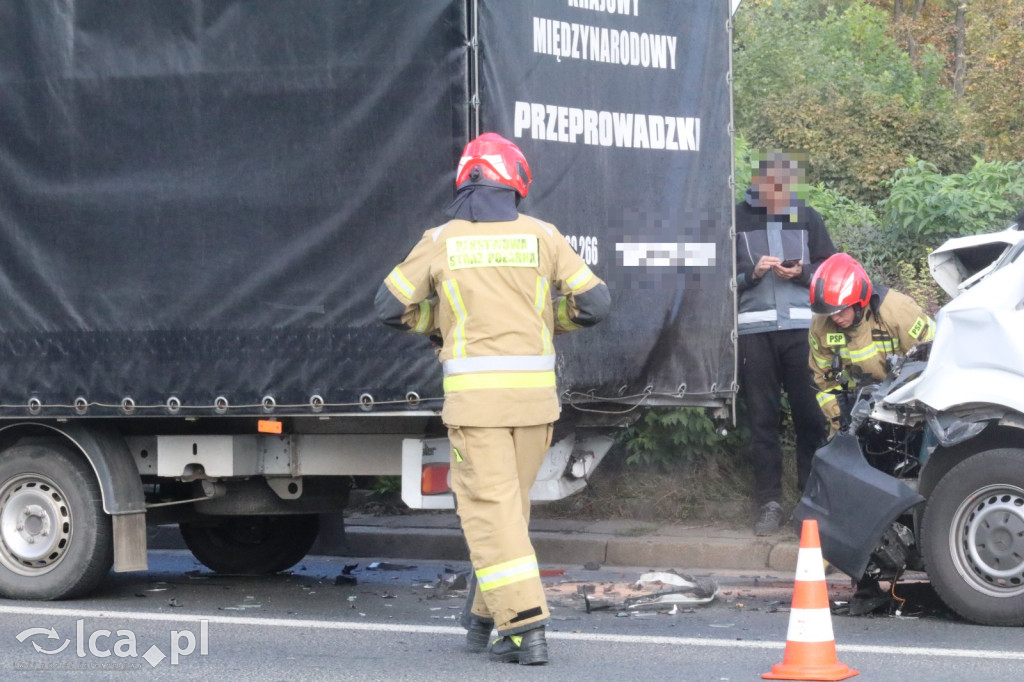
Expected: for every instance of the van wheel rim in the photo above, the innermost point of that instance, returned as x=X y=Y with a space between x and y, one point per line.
x=987 y=540
x=35 y=525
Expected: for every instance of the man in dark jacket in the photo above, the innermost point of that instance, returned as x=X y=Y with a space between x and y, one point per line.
x=780 y=241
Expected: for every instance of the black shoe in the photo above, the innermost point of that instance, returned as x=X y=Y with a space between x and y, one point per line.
x=478 y=633
x=529 y=648
x=769 y=519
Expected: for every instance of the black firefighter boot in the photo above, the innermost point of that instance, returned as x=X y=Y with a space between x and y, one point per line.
x=528 y=648
x=478 y=632
x=478 y=628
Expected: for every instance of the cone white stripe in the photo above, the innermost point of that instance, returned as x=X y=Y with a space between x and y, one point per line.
x=809 y=565
x=810 y=625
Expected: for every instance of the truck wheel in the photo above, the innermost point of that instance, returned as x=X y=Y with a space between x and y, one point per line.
x=972 y=537
x=251 y=545
x=56 y=542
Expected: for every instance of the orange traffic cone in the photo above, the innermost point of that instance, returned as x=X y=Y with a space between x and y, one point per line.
x=810 y=645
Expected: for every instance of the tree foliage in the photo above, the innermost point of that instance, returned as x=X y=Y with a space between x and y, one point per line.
x=831 y=81
x=983 y=55
x=925 y=207
x=995 y=76
x=914 y=130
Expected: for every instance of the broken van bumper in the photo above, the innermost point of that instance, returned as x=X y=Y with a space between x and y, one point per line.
x=852 y=502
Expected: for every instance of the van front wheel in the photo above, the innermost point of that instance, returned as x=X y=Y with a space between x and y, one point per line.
x=973 y=537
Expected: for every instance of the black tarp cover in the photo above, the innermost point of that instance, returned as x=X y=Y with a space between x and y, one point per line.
x=623 y=109
x=198 y=199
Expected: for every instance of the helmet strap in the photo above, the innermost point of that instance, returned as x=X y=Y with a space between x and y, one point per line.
x=858 y=314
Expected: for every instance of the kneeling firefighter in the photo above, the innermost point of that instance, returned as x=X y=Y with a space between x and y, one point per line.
x=483 y=281
x=855 y=328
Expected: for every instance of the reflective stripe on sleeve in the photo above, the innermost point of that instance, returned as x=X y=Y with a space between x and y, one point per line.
x=423 y=323
x=498 y=380
x=563 y=315
x=580 y=279
x=516 y=570
x=499 y=363
x=821 y=362
x=824 y=398
x=401 y=283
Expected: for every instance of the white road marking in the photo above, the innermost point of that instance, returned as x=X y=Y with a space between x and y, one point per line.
x=446 y=630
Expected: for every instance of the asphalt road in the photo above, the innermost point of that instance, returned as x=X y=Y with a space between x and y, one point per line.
x=399 y=621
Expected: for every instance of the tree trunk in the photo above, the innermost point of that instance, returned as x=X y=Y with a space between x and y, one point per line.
x=959 y=58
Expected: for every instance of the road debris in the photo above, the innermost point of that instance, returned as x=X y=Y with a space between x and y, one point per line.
x=658 y=591
x=247 y=603
x=448 y=582
x=346 y=577
x=387 y=566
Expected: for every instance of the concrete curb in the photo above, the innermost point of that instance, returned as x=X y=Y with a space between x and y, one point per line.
x=573 y=542
x=438 y=536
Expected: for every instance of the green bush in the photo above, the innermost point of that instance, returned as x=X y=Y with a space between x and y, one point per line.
x=742 y=167
x=679 y=436
x=925 y=207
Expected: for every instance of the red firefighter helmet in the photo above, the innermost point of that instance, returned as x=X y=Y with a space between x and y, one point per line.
x=839 y=283
x=498 y=160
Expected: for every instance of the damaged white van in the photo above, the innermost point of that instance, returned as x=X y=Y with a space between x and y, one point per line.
x=929 y=474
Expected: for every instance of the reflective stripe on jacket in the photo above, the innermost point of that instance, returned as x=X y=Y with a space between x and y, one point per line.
x=487 y=287
x=899 y=325
x=772 y=304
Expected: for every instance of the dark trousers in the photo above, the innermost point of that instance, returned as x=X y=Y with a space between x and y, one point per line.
x=769 y=363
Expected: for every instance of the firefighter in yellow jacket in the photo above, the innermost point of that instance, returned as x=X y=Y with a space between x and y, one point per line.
x=855 y=328
x=496 y=285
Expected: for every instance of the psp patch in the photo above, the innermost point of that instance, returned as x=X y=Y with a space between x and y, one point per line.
x=834 y=339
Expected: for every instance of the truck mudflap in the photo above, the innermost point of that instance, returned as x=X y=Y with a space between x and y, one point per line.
x=852 y=502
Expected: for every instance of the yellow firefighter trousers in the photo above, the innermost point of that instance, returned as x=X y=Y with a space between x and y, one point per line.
x=492 y=472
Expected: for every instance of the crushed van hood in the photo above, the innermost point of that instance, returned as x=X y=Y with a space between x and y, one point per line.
x=977 y=357
x=964 y=261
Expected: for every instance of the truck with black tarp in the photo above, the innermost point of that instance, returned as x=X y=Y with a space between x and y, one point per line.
x=199 y=199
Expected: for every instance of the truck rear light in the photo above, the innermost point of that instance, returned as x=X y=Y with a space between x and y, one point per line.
x=435 y=479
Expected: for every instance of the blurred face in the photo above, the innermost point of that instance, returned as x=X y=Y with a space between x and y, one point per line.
x=844 y=318
x=777 y=185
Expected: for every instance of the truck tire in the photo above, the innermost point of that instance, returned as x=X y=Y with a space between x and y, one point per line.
x=972 y=537
x=251 y=545
x=56 y=542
